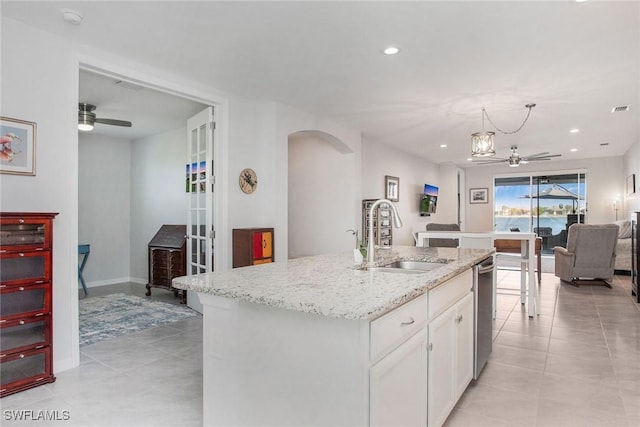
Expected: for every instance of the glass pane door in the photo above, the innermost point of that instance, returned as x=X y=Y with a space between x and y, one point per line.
x=199 y=193
x=544 y=204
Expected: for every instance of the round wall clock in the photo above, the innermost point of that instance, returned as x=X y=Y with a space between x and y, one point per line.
x=248 y=180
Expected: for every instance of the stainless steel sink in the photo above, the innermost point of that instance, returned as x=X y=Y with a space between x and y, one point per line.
x=411 y=267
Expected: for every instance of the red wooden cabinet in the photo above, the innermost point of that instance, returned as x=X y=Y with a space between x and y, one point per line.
x=252 y=246
x=26 y=260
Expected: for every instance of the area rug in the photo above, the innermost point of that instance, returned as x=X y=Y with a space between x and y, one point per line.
x=114 y=315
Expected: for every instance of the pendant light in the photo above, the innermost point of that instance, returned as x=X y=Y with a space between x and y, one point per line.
x=483 y=143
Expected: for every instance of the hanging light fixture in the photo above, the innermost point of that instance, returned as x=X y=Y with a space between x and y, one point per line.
x=482 y=143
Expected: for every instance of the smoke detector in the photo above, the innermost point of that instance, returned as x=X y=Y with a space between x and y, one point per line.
x=72 y=16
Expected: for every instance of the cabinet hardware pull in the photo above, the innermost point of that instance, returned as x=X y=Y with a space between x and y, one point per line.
x=20 y=254
x=21 y=356
x=21 y=221
x=21 y=288
x=410 y=322
x=21 y=322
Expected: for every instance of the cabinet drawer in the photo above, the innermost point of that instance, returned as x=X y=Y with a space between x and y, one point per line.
x=24 y=334
x=22 y=267
x=446 y=294
x=18 y=234
x=23 y=368
x=388 y=331
x=22 y=301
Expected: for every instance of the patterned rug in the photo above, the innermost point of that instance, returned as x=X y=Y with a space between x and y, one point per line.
x=113 y=315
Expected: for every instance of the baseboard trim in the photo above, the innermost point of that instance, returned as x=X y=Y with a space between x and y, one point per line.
x=115 y=281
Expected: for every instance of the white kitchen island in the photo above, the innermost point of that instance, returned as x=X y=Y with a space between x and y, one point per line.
x=317 y=341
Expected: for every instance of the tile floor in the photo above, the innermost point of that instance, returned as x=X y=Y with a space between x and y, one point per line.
x=576 y=364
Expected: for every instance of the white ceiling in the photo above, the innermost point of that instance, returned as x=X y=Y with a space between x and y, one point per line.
x=576 y=61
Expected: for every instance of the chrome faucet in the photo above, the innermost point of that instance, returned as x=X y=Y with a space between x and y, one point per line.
x=397 y=222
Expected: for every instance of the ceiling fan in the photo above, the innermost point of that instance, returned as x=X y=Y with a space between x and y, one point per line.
x=87 y=118
x=515 y=159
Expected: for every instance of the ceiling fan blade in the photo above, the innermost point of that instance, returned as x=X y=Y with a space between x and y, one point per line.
x=543 y=154
x=546 y=157
x=488 y=162
x=114 y=122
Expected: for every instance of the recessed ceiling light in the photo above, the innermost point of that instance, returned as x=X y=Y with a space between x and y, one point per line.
x=391 y=50
x=574 y=149
x=575 y=130
x=443 y=145
x=469 y=159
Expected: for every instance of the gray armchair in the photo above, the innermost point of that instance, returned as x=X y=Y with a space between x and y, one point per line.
x=590 y=253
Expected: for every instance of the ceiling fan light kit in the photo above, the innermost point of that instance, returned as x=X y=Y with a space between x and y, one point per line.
x=483 y=143
x=87 y=118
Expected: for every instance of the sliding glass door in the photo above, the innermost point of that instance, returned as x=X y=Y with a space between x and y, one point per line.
x=544 y=204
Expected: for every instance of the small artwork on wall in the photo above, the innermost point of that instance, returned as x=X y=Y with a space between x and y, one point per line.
x=17 y=147
x=478 y=195
x=392 y=188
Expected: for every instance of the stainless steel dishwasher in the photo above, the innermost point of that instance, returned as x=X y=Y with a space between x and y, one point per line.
x=483 y=276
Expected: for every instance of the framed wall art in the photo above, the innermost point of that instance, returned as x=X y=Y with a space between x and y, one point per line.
x=17 y=146
x=478 y=195
x=631 y=184
x=392 y=188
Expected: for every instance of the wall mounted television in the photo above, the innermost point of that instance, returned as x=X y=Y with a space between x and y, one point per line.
x=429 y=200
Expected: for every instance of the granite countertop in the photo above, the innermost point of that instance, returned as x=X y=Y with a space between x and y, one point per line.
x=331 y=285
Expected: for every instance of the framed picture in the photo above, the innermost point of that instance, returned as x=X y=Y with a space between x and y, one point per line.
x=17 y=146
x=478 y=195
x=392 y=188
x=631 y=184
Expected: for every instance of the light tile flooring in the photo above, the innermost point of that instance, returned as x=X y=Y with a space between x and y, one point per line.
x=576 y=364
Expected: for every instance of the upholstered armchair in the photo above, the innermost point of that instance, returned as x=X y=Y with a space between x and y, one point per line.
x=590 y=253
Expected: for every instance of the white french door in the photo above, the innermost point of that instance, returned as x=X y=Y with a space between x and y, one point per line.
x=200 y=186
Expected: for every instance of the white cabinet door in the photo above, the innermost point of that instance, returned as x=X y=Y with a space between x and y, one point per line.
x=464 y=344
x=442 y=346
x=399 y=385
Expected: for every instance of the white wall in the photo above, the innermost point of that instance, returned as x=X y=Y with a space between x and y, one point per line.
x=604 y=181
x=379 y=160
x=104 y=194
x=632 y=166
x=40 y=84
x=320 y=197
x=157 y=192
x=289 y=121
